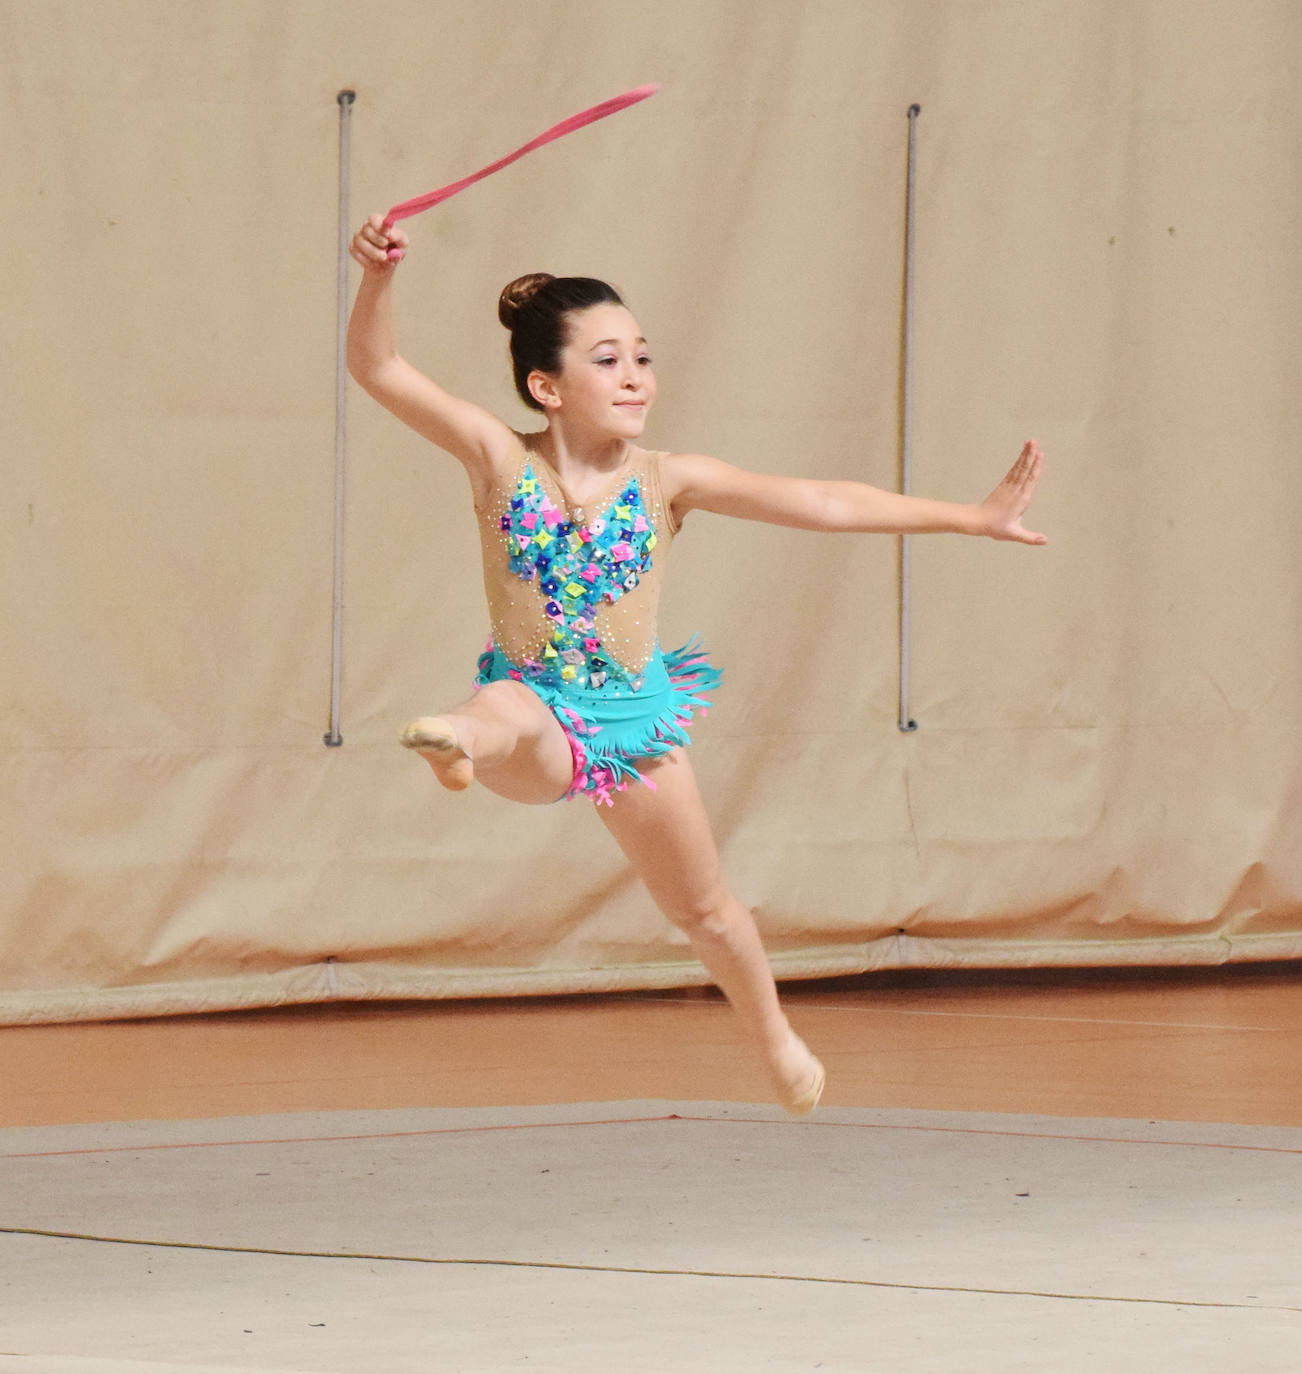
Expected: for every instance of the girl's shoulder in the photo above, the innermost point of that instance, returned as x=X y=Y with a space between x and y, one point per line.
x=678 y=475
x=516 y=452
x=500 y=468
x=680 y=472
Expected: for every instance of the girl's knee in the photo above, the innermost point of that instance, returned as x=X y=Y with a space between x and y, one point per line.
x=710 y=915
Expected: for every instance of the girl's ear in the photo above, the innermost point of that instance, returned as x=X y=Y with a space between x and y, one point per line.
x=543 y=389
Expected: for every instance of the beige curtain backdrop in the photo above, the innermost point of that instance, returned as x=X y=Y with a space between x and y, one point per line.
x=1106 y=769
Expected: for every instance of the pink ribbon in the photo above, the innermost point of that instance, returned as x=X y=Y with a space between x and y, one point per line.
x=566 y=126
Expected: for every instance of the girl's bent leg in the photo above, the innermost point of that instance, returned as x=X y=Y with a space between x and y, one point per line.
x=666 y=836
x=502 y=737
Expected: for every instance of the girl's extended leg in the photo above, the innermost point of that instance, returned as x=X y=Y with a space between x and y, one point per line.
x=503 y=737
x=666 y=836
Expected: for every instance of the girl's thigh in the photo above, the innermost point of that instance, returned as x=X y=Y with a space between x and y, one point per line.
x=537 y=766
x=665 y=834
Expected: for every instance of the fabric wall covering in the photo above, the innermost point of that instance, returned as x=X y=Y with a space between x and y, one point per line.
x=1106 y=767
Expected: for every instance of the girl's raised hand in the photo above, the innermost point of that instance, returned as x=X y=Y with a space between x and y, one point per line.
x=372 y=244
x=1004 y=506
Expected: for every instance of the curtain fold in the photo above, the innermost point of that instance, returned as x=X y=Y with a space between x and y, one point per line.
x=1105 y=770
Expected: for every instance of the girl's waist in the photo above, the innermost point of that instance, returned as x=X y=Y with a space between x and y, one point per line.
x=578 y=673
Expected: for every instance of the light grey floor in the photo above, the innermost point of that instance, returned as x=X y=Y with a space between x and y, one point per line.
x=650 y=1236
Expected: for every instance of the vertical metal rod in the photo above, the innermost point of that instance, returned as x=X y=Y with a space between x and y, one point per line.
x=906 y=722
x=333 y=739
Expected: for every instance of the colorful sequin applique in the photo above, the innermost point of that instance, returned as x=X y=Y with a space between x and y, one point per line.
x=614 y=718
x=577 y=567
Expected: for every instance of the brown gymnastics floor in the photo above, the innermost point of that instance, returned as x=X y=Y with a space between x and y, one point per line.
x=1043 y=1172
x=1209 y=1045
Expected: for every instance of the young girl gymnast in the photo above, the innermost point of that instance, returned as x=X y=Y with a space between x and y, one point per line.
x=574 y=697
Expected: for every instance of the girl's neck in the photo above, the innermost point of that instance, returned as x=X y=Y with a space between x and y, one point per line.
x=574 y=455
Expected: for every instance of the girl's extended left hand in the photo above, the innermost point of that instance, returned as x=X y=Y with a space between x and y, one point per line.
x=1002 y=509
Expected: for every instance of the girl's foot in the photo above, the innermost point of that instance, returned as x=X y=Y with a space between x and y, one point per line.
x=798 y=1077
x=434 y=738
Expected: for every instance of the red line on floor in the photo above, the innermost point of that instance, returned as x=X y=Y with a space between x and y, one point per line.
x=326 y=1139
x=648 y=1120
x=1016 y=1135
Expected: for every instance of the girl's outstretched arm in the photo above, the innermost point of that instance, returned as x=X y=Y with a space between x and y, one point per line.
x=694 y=482
x=472 y=435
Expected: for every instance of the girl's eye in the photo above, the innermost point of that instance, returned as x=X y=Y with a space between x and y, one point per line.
x=603 y=362
x=645 y=359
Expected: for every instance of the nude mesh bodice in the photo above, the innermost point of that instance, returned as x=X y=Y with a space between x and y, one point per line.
x=573 y=592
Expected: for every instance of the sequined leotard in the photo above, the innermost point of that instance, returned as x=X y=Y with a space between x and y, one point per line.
x=573 y=602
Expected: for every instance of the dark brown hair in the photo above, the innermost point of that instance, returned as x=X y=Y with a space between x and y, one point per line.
x=533 y=308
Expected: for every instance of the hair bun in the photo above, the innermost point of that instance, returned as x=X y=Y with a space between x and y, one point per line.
x=517 y=294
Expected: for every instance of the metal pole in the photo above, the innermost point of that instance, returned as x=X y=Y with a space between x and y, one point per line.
x=906 y=722
x=333 y=739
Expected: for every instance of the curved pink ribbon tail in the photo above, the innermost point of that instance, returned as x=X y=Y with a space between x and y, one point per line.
x=567 y=126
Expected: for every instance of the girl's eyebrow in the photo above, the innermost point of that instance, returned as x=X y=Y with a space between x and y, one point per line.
x=601 y=342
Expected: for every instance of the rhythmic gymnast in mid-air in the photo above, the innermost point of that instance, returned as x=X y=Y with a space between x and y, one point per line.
x=574 y=696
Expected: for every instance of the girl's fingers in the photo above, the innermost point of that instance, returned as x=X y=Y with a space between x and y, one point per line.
x=1025 y=471
x=376 y=229
x=381 y=239
x=383 y=245
x=1030 y=463
x=1013 y=495
x=375 y=246
x=367 y=253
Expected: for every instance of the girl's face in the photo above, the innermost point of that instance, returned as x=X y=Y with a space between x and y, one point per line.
x=606 y=381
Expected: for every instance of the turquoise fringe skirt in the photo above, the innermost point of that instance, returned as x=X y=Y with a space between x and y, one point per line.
x=612 y=726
